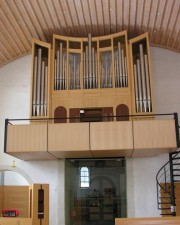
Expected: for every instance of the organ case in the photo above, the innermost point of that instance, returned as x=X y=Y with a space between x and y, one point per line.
x=92 y=72
x=40 y=82
x=142 y=98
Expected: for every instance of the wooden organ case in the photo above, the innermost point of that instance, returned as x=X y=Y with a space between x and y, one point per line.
x=91 y=77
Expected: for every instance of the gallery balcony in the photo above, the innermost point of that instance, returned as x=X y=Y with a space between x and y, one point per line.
x=137 y=136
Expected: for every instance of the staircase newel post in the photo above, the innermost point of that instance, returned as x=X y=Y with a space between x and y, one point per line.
x=173 y=202
x=177 y=129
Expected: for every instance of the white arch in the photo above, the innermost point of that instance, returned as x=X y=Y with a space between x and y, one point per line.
x=18 y=170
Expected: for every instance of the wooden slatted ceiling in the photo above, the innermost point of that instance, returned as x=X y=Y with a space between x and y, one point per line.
x=22 y=20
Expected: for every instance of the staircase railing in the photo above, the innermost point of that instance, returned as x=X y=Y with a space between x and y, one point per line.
x=166 y=178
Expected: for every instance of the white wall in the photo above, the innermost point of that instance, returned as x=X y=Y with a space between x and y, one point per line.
x=14 y=103
x=141 y=172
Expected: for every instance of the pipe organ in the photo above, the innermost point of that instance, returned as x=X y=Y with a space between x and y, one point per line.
x=41 y=68
x=93 y=72
x=141 y=74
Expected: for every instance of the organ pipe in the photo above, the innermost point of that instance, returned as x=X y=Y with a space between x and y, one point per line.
x=136 y=88
x=34 y=87
x=147 y=82
x=59 y=69
x=141 y=82
x=121 y=76
x=39 y=85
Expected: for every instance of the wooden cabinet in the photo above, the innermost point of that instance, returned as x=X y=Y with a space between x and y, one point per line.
x=32 y=202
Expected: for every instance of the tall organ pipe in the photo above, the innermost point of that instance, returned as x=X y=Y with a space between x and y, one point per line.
x=57 y=66
x=120 y=64
x=60 y=65
x=42 y=89
x=147 y=82
x=90 y=60
x=143 y=77
x=45 y=91
x=139 y=85
x=55 y=74
x=34 y=87
x=123 y=68
x=39 y=80
x=136 y=88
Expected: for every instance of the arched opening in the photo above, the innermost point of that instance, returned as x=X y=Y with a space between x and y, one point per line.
x=60 y=115
x=122 y=112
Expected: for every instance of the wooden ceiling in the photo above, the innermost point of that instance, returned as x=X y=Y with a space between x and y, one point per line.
x=22 y=20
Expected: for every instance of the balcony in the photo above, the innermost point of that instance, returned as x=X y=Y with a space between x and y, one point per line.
x=141 y=136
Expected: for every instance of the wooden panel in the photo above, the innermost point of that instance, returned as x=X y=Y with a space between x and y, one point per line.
x=153 y=134
x=34 y=209
x=1 y=198
x=149 y=221
x=177 y=196
x=72 y=137
x=15 y=221
x=111 y=136
x=60 y=112
x=27 y=138
x=45 y=221
x=28 y=141
x=6 y=222
x=17 y=197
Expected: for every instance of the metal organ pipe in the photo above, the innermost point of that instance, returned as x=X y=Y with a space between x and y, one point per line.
x=139 y=85
x=143 y=77
x=59 y=69
x=90 y=61
x=142 y=83
x=136 y=88
x=147 y=83
x=34 y=87
x=39 y=88
x=39 y=80
x=45 y=91
x=42 y=89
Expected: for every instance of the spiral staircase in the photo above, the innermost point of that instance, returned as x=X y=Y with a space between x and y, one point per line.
x=167 y=179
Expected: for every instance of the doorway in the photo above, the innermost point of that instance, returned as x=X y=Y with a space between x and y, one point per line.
x=95 y=191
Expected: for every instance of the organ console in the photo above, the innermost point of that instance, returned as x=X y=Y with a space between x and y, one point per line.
x=92 y=72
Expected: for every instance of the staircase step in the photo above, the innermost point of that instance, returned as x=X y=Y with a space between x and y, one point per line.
x=175 y=158
x=165 y=208
x=177 y=169
x=165 y=196
x=176 y=164
x=166 y=214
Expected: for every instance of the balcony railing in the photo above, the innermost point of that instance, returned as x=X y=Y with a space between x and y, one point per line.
x=136 y=136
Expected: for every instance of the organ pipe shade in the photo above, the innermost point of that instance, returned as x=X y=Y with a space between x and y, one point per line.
x=143 y=100
x=40 y=84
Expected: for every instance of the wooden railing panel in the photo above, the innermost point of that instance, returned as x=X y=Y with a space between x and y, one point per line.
x=69 y=140
x=152 y=137
x=111 y=138
x=148 y=221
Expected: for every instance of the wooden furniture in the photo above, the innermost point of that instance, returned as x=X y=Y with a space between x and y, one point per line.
x=32 y=202
x=149 y=221
x=92 y=72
